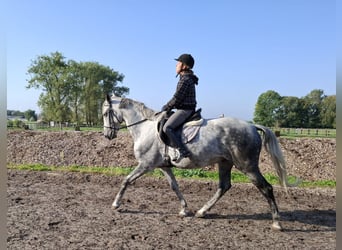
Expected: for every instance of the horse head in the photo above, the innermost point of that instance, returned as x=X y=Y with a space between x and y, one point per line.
x=111 y=116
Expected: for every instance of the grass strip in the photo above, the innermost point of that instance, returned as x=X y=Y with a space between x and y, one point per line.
x=200 y=174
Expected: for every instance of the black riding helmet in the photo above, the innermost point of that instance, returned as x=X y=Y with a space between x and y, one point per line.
x=187 y=59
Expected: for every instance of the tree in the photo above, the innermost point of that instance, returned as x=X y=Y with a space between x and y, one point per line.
x=72 y=91
x=315 y=110
x=50 y=74
x=328 y=112
x=291 y=112
x=98 y=81
x=312 y=104
x=76 y=83
x=30 y=115
x=267 y=108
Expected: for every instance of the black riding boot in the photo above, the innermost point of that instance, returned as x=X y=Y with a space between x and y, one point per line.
x=184 y=152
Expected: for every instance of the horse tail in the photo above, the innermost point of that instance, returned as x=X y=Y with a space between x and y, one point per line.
x=272 y=146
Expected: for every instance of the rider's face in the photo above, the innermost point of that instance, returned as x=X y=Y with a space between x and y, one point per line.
x=179 y=67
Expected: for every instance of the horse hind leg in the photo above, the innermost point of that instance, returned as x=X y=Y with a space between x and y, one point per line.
x=267 y=191
x=224 y=185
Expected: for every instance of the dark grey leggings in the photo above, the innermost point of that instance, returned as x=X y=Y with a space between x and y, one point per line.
x=177 y=119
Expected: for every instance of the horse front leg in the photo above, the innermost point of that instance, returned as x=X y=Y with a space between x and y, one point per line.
x=224 y=186
x=167 y=171
x=135 y=174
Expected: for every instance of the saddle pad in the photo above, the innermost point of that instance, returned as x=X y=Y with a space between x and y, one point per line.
x=190 y=130
x=193 y=123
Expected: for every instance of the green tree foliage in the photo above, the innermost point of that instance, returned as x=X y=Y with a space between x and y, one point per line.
x=328 y=112
x=30 y=115
x=291 y=112
x=18 y=123
x=50 y=74
x=10 y=123
x=315 y=110
x=76 y=85
x=267 y=108
x=313 y=103
x=72 y=91
x=98 y=80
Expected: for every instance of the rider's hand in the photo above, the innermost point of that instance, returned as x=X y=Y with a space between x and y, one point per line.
x=166 y=108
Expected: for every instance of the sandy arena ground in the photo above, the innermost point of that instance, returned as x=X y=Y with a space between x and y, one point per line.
x=60 y=210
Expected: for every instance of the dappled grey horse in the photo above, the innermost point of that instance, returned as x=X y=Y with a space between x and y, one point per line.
x=223 y=141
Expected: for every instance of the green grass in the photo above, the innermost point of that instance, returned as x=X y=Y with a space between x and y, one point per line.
x=199 y=174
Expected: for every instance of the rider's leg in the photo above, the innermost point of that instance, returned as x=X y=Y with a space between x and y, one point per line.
x=184 y=152
x=176 y=120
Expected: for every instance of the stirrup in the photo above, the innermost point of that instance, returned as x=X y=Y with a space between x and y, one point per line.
x=167 y=159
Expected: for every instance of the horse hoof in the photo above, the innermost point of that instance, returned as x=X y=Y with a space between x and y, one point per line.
x=276 y=226
x=115 y=206
x=200 y=214
x=183 y=213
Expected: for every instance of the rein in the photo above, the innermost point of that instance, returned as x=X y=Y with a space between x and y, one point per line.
x=133 y=124
x=112 y=114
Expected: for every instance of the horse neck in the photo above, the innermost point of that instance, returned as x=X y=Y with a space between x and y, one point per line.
x=132 y=116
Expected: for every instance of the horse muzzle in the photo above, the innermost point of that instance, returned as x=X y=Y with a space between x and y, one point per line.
x=110 y=134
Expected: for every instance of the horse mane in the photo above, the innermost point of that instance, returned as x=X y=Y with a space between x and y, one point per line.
x=139 y=106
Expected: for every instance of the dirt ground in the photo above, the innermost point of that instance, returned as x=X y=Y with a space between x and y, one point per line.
x=60 y=210
x=309 y=159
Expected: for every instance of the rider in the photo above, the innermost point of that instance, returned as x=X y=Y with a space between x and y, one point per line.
x=184 y=100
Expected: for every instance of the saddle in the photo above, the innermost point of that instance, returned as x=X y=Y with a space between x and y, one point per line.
x=188 y=130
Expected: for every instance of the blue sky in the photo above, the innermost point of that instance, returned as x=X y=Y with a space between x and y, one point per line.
x=241 y=48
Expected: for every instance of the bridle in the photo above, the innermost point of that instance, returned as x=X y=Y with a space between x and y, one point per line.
x=112 y=123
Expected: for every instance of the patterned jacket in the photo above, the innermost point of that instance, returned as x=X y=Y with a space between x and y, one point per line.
x=185 y=95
